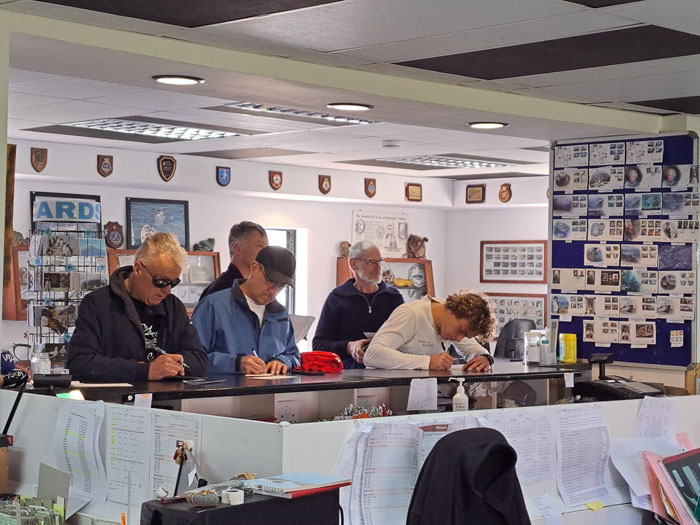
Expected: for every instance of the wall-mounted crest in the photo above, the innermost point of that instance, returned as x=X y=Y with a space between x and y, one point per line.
x=370 y=187
x=324 y=183
x=105 y=165
x=39 y=158
x=275 y=178
x=505 y=193
x=166 y=167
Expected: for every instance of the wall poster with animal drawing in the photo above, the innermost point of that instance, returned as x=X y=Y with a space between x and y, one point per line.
x=388 y=231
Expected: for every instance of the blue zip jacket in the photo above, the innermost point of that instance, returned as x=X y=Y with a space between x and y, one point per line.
x=229 y=330
x=347 y=314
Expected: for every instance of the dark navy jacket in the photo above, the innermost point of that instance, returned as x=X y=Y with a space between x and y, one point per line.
x=229 y=330
x=347 y=314
x=108 y=341
x=223 y=281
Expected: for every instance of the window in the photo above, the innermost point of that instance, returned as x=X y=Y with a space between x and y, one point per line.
x=286 y=239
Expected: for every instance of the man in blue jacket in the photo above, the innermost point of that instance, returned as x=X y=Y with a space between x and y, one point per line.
x=360 y=305
x=244 y=329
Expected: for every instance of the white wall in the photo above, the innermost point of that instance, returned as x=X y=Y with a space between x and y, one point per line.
x=524 y=217
x=212 y=210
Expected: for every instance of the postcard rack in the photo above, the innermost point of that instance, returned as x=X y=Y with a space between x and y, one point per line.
x=623 y=239
x=63 y=266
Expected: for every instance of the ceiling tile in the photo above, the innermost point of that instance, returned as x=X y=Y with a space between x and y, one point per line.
x=71 y=112
x=23 y=75
x=159 y=99
x=70 y=87
x=681 y=15
x=690 y=105
x=510 y=34
x=23 y=100
x=578 y=52
x=354 y=24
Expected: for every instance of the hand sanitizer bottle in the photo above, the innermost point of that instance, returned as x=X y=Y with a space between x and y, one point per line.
x=460 y=401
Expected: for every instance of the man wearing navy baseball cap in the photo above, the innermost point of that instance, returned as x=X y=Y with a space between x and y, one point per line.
x=244 y=329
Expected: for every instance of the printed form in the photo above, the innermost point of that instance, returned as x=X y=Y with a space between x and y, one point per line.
x=76 y=449
x=129 y=443
x=657 y=419
x=390 y=472
x=583 y=452
x=168 y=429
x=533 y=435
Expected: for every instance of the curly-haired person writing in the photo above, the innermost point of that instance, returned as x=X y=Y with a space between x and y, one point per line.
x=414 y=336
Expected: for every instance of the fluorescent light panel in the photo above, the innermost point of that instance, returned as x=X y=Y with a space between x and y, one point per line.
x=445 y=162
x=153 y=129
x=287 y=111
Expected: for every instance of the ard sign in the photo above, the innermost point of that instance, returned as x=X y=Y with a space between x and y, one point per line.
x=52 y=209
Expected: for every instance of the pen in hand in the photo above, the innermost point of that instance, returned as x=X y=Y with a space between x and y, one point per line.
x=163 y=352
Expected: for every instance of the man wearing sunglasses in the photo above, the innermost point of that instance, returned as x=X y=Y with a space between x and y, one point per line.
x=134 y=329
x=244 y=329
x=359 y=305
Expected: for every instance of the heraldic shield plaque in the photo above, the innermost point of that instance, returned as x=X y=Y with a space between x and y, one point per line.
x=39 y=158
x=105 y=165
x=166 y=167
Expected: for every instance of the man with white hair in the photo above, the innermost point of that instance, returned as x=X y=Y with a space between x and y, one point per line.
x=134 y=329
x=245 y=240
x=360 y=305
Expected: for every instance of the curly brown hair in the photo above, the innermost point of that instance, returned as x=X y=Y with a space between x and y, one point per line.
x=473 y=306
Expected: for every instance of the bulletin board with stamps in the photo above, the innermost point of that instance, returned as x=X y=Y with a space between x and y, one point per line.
x=624 y=234
x=518 y=306
x=514 y=262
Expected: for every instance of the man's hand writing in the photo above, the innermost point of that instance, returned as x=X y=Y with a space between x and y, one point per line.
x=168 y=365
x=441 y=361
x=252 y=364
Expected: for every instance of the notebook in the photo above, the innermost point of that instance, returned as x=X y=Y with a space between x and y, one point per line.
x=296 y=484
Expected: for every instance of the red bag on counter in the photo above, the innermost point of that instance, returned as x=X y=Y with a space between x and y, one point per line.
x=321 y=362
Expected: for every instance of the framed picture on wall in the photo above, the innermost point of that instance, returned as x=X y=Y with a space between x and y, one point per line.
x=476 y=193
x=144 y=217
x=513 y=262
x=518 y=306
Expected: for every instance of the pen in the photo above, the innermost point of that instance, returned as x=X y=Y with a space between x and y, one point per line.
x=255 y=353
x=163 y=352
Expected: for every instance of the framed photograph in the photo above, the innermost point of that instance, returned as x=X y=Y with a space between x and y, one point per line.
x=476 y=193
x=518 y=306
x=144 y=217
x=414 y=192
x=513 y=262
x=61 y=212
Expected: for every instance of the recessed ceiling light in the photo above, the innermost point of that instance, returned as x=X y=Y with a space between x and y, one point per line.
x=282 y=110
x=443 y=161
x=488 y=125
x=178 y=80
x=349 y=106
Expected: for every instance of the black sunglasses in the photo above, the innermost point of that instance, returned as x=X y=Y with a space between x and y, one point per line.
x=159 y=282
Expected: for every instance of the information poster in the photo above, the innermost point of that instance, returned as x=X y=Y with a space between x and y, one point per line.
x=388 y=231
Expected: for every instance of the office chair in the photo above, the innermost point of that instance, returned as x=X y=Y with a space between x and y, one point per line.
x=469 y=478
x=520 y=392
x=511 y=340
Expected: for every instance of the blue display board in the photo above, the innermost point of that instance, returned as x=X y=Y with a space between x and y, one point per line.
x=623 y=245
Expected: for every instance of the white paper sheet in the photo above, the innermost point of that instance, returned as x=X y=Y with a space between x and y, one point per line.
x=657 y=419
x=533 y=435
x=76 y=448
x=626 y=454
x=423 y=394
x=583 y=453
x=129 y=442
x=167 y=431
x=345 y=468
x=390 y=472
x=549 y=508
x=641 y=502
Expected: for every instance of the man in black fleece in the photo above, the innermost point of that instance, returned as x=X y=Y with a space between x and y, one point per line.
x=359 y=305
x=134 y=329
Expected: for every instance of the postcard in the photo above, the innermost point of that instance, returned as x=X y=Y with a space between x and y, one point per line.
x=643 y=229
x=639 y=255
x=645 y=151
x=639 y=281
x=565 y=156
x=676 y=257
x=605 y=229
x=571 y=179
x=568 y=278
x=569 y=229
x=601 y=255
x=648 y=306
x=560 y=304
x=667 y=307
x=651 y=204
x=90 y=281
x=607 y=153
x=92 y=247
x=56 y=281
x=675 y=204
x=607 y=305
x=676 y=282
x=679 y=177
x=570 y=205
x=606 y=204
x=680 y=230
x=606 y=178
x=603 y=280
x=642 y=177
x=631 y=306
x=643 y=333
x=601 y=331
x=633 y=204
x=625 y=330
x=687 y=307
